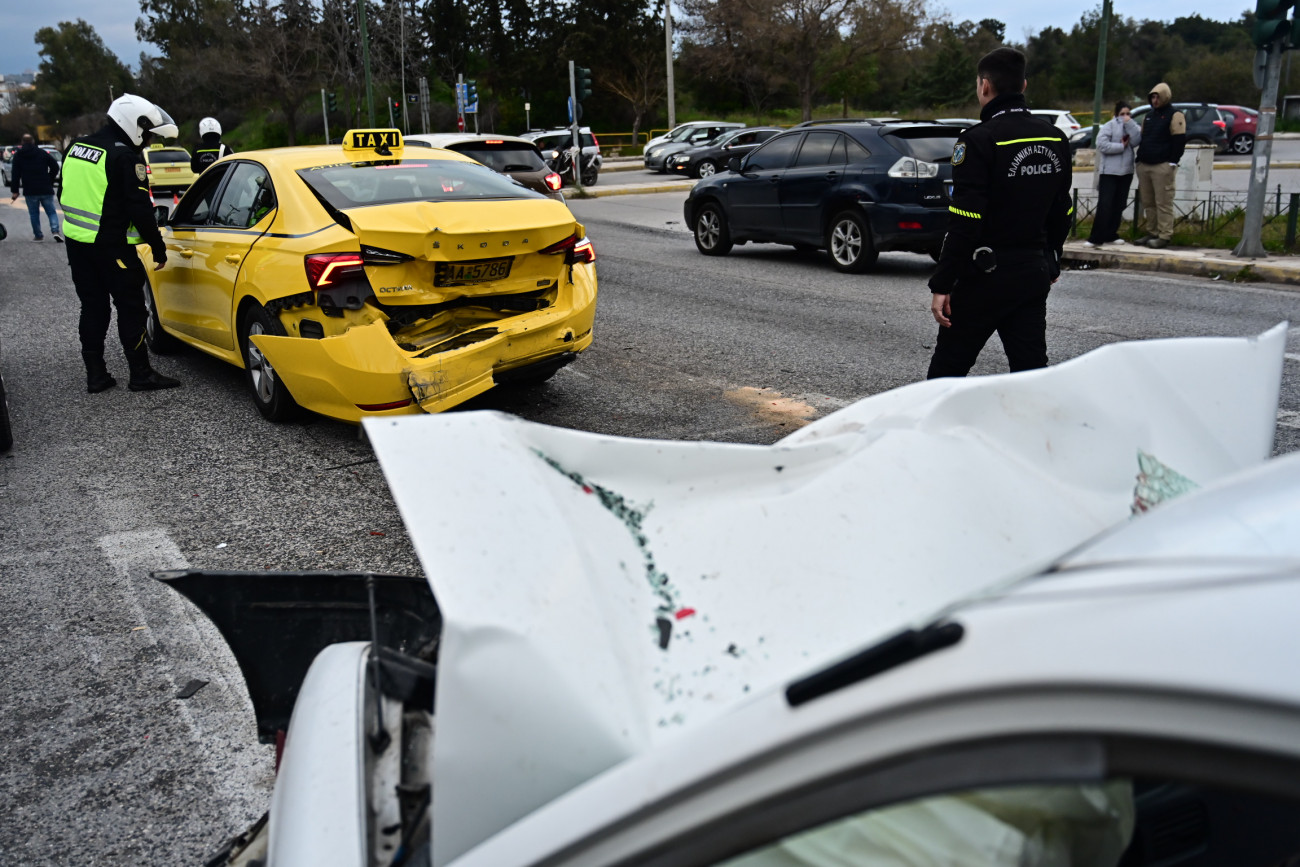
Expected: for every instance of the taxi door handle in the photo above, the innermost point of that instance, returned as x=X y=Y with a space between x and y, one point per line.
x=186 y=253
x=233 y=259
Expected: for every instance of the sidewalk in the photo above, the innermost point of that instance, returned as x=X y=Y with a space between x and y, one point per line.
x=1191 y=261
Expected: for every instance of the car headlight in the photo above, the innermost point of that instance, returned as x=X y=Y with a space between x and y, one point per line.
x=683 y=159
x=653 y=153
x=1081 y=135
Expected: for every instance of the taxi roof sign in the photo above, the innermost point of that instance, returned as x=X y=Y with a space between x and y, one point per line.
x=372 y=140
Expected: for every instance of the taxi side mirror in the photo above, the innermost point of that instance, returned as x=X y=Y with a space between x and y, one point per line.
x=733 y=165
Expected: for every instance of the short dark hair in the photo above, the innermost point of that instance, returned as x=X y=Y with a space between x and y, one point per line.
x=1121 y=105
x=1004 y=68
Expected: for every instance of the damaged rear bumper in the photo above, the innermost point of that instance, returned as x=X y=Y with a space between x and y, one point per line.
x=367 y=371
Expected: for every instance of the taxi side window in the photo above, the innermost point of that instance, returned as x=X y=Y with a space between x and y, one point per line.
x=246 y=199
x=196 y=207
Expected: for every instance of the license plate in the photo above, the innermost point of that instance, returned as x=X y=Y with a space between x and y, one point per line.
x=468 y=273
x=171 y=170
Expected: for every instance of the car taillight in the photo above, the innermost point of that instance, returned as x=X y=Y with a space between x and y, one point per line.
x=595 y=141
x=575 y=250
x=553 y=181
x=326 y=269
x=908 y=167
x=1220 y=124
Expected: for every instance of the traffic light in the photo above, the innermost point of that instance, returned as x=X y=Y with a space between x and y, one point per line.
x=471 y=95
x=331 y=101
x=582 y=80
x=397 y=106
x=1271 y=24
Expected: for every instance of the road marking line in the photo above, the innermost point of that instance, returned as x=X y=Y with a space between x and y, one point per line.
x=1289 y=418
x=1292 y=356
x=187 y=641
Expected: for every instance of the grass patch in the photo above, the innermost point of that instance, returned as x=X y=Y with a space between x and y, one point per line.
x=1224 y=234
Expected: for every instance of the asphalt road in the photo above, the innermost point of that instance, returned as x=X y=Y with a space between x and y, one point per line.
x=105 y=765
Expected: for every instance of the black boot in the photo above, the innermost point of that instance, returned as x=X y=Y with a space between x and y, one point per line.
x=144 y=377
x=97 y=376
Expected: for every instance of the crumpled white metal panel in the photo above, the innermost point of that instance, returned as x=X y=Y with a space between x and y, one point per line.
x=601 y=594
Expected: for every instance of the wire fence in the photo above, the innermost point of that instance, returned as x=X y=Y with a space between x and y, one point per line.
x=1205 y=213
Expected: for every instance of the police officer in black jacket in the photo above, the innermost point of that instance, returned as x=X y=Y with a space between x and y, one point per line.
x=1010 y=214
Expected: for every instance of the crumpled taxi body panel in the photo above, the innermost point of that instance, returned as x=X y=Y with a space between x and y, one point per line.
x=393 y=286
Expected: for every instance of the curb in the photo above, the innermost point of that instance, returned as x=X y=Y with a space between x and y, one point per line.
x=629 y=189
x=1215 y=267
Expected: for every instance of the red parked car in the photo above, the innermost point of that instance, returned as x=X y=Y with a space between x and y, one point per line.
x=1242 y=122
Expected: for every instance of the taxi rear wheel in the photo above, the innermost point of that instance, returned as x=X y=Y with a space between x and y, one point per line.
x=160 y=342
x=848 y=240
x=269 y=393
x=712 y=236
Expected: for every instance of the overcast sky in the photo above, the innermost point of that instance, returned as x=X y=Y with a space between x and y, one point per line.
x=114 y=20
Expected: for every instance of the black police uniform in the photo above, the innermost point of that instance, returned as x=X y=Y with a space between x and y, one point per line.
x=1010 y=214
x=208 y=152
x=110 y=268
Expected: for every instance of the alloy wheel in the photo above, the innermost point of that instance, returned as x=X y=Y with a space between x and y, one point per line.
x=846 y=242
x=259 y=369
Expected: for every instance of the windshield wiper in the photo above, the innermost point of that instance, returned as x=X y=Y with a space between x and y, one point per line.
x=897 y=650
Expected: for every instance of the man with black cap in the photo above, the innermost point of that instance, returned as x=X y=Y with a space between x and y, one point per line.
x=107 y=211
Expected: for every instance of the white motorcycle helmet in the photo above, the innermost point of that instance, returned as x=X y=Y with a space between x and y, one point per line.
x=209 y=124
x=136 y=115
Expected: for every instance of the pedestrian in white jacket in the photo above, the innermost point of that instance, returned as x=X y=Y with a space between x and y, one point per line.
x=1117 y=142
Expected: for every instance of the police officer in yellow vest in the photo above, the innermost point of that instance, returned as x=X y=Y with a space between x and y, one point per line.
x=210 y=148
x=107 y=211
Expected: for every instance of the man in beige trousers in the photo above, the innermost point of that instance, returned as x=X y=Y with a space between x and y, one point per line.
x=1164 y=135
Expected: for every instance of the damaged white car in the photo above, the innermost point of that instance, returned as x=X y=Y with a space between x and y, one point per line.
x=1036 y=619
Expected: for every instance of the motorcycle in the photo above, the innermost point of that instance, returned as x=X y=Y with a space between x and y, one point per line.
x=561 y=162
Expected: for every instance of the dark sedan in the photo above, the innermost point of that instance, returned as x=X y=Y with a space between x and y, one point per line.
x=708 y=158
x=854 y=190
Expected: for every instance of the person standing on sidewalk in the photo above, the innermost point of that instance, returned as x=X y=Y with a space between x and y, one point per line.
x=1164 y=135
x=1117 y=141
x=108 y=211
x=1010 y=214
x=35 y=170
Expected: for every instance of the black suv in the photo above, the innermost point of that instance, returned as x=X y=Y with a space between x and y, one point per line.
x=852 y=189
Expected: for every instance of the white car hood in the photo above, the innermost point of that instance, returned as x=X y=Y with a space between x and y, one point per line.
x=600 y=595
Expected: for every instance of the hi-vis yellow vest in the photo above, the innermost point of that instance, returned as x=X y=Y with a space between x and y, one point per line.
x=85 y=183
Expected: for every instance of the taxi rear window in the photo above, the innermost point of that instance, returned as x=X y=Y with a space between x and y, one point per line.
x=169 y=155
x=384 y=182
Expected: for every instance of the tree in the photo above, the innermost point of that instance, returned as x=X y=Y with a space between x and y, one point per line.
x=278 y=56
x=807 y=42
x=77 y=72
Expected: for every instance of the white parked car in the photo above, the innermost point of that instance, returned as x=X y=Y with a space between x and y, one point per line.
x=1060 y=118
x=886 y=639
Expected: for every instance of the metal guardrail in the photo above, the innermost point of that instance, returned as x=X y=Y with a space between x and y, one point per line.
x=1207 y=213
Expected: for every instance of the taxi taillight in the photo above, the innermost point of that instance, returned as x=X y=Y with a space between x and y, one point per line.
x=576 y=250
x=327 y=269
x=553 y=181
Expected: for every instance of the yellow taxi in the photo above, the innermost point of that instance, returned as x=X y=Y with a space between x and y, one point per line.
x=370 y=279
x=169 y=168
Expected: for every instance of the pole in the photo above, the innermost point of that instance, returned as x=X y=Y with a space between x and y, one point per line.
x=365 y=60
x=392 y=121
x=576 y=162
x=324 y=115
x=1252 y=245
x=528 y=115
x=460 y=101
x=668 y=50
x=406 y=123
x=1101 y=72
x=424 y=105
